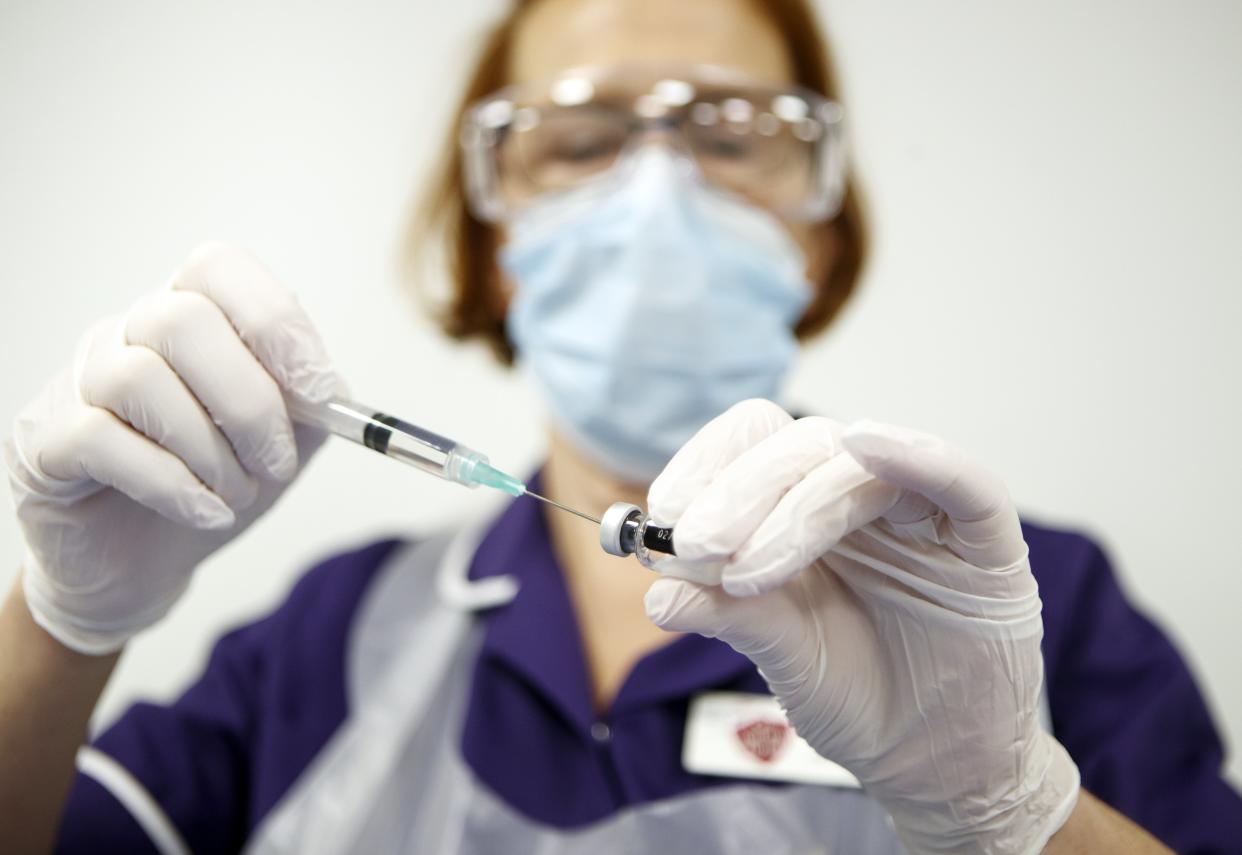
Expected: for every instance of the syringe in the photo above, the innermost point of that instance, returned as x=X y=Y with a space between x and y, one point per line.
x=423 y=449
x=401 y=440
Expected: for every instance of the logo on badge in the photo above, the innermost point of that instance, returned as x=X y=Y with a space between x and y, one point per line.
x=763 y=738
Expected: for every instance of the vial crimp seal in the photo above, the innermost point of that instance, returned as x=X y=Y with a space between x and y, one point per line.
x=625 y=530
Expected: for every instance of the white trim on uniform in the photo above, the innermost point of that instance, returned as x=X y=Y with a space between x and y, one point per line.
x=453 y=584
x=126 y=789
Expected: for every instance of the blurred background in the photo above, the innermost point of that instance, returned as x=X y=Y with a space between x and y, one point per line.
x=1057 y=202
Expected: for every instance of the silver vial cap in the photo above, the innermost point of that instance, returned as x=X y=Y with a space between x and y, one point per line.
x=613 y=536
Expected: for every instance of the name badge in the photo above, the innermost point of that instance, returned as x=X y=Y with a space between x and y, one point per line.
x=742 y=735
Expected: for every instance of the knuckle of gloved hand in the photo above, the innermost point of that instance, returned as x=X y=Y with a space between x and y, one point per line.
x=661 y=504
x=215 y=263
x=209 y=257
x=255 y=419
x=277 y=335
x=260 y=436
x=121 y=378
x=297 y=357
x=819 y=431
x=276 y=331
x=167 y=317
x=84 y=431
x=758 y=410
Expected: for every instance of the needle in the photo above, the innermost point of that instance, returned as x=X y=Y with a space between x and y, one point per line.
x=562 y=507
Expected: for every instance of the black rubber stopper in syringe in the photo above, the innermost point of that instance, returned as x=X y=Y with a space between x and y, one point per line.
x=626 y=530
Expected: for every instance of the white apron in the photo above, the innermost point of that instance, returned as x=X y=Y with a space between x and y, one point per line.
x=392 y=779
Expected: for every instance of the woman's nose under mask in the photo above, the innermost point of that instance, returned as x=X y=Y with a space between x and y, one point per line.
x=646 y=310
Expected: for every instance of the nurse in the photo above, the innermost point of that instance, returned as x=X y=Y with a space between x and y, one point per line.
x=638 y=191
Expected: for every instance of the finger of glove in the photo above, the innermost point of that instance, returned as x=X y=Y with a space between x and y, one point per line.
x=99 y=447
x=677 y=605
x=767 y=629
x=984 y=522
x=139 y=387
x=680 y=606
x=833 y=500
x=727 y=510
x=41 y=422
x=193 y=336
x=715 y=446
x=266 y=315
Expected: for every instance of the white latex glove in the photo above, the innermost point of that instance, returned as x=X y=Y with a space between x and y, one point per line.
x=879 y=580
x=166 y=437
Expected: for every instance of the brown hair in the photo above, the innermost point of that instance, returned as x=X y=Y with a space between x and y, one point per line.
x=475 y=308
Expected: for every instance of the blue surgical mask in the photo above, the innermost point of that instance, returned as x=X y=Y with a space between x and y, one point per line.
x=646 y=310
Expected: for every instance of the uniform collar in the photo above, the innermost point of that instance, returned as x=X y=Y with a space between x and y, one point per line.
x=536 y=634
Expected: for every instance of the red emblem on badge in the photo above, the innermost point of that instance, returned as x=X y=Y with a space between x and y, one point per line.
x=763 y=737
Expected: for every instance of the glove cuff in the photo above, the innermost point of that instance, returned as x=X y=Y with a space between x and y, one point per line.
x=58 y=624
x=1020 y=825
x=83 y=636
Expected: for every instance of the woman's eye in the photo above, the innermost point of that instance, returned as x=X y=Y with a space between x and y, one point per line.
x=723 y=144
x=727 y=148
x=579 y=150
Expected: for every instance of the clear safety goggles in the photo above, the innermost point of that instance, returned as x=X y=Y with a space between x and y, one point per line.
x=782 y=148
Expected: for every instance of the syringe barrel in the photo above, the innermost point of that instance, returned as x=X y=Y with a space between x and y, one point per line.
x=390 y=436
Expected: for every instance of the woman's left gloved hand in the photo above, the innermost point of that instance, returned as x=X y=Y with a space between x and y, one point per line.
x=879 y=580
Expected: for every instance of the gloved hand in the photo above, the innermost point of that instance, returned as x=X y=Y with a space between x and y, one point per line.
x=166 y=437
x=879 y=580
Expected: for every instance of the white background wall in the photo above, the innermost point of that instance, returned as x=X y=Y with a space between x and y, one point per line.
x=1057 y=196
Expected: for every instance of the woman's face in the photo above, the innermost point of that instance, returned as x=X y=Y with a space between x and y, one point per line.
x=557 y=35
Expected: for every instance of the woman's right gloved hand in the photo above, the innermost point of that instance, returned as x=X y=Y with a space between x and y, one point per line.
x=165 y=438
x=879 y=579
